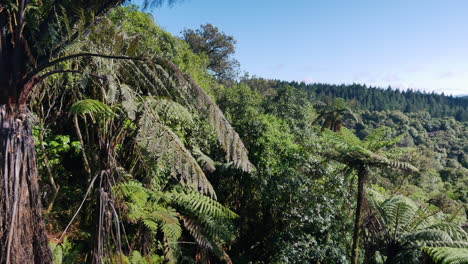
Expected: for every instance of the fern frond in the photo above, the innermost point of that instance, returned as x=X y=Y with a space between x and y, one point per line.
x=453 y=230
x=423 y=237
x=206 y=162
x=452 y=244
x=129 y=101
x=200 y=100
x=204 y=235
x=160 y=142
x=167 y=217
x=170 y=111
x=398 y=212
x=150 y=224
x=379 y=138
x=201 y=205
x=92 y=107
x=447 y=255
x=196 y=231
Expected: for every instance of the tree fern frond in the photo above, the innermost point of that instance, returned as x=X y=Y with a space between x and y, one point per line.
x=196 y=231
x=398 y=212
x=427 y=236
x=160 y=142
x=200 y=100
x=447 y=255
x=206 y=162
x=129 y=101
x=150 y=224
x=453 y=230
x=170 y=111
x=169 y=222
x=132 y=190
x=201 y=205
x=441 y=243
x=379 y=138
x=205 y=240
x=92 y=107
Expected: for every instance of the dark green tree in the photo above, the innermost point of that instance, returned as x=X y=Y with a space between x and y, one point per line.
x=217 y=46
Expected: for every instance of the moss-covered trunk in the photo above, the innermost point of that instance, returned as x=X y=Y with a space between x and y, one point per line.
x=23 y=237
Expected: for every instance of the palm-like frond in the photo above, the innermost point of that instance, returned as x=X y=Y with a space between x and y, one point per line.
x=162 y=211
x=447 y=255
x=201 y=205
x=92 y=107
x=345 y=147
x=170 y=111
x=331 y=111
x=159 y=142
x=411 y=227
x=163 y=77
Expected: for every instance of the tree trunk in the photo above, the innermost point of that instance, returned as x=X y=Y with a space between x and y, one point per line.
x=23 y=237
x=362 y=175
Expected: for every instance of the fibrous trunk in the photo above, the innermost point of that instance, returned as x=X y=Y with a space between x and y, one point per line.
x=23 y=238
x=362 y=175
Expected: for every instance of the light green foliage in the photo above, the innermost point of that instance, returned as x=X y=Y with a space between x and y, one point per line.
x=55 y=147
x=446 y=255
x=137 y=258
x=168 y=212
x=349 y=149
x=94 y=108
x=278 y=223
x=65 y=252
x=201 y=205
x=402 y=227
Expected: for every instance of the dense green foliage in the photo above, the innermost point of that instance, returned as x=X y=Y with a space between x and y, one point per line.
x=146 y=159
x=378 y=99
x=217 y=46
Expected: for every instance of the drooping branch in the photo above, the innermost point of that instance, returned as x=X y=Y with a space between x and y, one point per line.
x=69 y=57
x=42 y=77
x=32 y=79
x=37 y=79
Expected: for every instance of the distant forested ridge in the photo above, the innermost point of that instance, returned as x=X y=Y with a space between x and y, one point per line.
x=377 y=99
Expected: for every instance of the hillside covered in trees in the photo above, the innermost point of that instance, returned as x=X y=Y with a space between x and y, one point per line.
x=379 y=99
x=122 y=143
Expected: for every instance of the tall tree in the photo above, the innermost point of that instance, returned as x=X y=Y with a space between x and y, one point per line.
x=33 y=34
x=219 y=48
x=361 y=156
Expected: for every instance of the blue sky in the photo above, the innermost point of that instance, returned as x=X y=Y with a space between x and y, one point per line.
x=418 y=44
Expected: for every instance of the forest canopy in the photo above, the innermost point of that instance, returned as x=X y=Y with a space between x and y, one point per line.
x=143 y=147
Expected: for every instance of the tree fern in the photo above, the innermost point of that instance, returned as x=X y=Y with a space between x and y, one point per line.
x=147 y=99
x=167 y=212
x=406 y=227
